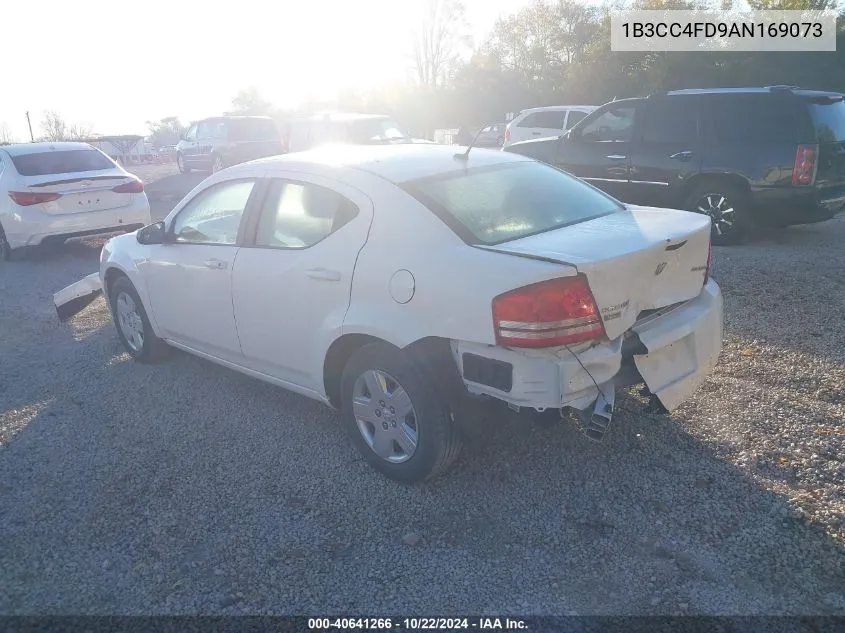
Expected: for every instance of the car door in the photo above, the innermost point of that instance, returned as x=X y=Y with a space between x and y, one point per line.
x=292 y=279
x=666 y=150
x=596 y=150
x=189 y=278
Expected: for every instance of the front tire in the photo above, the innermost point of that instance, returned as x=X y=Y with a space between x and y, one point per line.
x=395 y=417
x=133 y=326
x=728 y=207
x=180 y=163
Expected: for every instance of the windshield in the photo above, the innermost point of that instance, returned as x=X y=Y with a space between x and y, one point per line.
x=497 y=204
x=375 y=130
x=828 y=114
x=61 y=162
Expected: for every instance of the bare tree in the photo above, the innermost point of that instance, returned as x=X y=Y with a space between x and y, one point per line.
x=438 y=40
x=54 y=127
x=6 y=136
x=79 y=131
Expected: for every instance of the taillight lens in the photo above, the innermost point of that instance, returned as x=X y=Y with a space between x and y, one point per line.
x=551 y=313
x=133 y=186
x=507 y=135
x=806 y=159
x=28 y=198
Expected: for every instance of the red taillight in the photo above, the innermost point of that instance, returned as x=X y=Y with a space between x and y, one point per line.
x=806 y=159
x=507 y=135
x=27 y=198
x=133 y=186
x=547 y=314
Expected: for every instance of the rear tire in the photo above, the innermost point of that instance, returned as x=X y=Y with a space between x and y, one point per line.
x=394 y=416
x=728 y=206
x=180 y=163
x=133 y=326
x=5 y=249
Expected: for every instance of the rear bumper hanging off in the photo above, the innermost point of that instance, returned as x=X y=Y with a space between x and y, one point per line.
x=71 y=300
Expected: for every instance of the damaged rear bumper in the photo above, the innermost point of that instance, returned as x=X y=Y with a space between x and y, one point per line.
x=672 y=353
x=73 y=298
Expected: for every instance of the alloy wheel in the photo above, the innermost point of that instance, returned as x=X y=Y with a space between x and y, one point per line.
x=721 y=212
x=130 y=322
x=385 y=416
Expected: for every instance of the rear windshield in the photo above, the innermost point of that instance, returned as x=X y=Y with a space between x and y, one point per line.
x=61 y=162
x=828 y=115
x=506 y=202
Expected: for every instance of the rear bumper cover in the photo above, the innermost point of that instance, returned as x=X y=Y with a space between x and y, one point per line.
x=71 y=299
x=681 y=348
x=30 y=227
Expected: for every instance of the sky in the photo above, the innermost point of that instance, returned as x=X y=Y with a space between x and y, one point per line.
x=115 y=65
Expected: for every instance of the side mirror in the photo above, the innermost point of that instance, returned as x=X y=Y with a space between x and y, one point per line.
x=152 y=234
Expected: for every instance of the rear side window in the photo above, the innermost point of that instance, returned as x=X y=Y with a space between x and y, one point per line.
x=671 y=120
x=828 y=115
x=298 y=215
x=547 y=119
x=494 y=205
x=753 y=118
x=61 y=162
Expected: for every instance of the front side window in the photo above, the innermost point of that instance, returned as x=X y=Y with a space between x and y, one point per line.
x=574 y=117
x=612 y=125
x=298 y=215
x=494 y=205
x=214 y=215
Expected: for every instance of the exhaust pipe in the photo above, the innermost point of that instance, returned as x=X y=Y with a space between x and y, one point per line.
x=598 y=422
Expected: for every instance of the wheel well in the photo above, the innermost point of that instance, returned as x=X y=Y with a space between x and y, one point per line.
x=112 y=274
x=698 y=179
x=336 y=358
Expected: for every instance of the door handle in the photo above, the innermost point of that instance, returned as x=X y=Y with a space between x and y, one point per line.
x=323 y=274
x=616 y=157
x=682 y=156
x=217 y=264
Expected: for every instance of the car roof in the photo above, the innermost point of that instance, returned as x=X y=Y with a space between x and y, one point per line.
x=752 y=90
x=345 y=116
x=396 y=163
x=557 y=107
x=22 y=149
x=234 y=117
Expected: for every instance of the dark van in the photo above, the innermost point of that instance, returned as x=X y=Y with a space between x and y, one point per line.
x=744 y=156
x=218 y=142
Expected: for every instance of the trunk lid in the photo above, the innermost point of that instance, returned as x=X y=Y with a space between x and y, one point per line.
x=80 y=192
x=637 y=260
x=828 y=116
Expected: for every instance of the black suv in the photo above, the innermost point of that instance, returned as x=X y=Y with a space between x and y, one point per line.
x=218 y=142
x=744 y=156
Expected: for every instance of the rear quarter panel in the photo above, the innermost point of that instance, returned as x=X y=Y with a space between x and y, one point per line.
x=453 y=283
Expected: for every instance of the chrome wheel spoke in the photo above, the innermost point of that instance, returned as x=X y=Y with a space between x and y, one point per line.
x=383 y=443
x=406 y=437
x=400 y=403
x=375 y=385
x=363 y=409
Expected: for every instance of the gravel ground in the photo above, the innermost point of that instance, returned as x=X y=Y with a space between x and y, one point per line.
x=186 y=488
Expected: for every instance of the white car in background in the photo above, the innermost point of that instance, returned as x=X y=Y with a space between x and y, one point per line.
x=544 y=122
x=54 y=191
x=404 y=285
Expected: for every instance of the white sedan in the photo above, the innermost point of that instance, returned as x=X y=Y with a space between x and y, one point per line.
x=404 y=284
x=53 y=191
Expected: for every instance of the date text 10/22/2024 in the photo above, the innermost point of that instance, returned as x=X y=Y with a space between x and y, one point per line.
x=416 y=624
